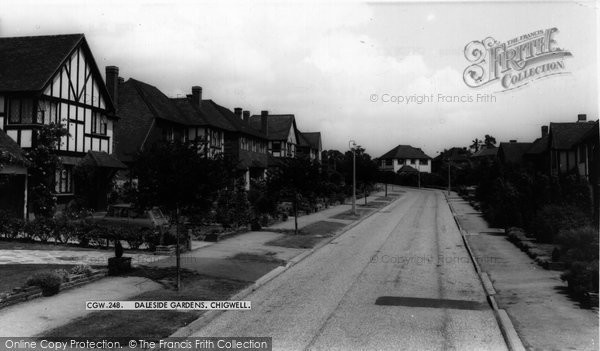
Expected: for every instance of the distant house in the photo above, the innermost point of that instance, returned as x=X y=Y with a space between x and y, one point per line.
x=310 y=146
x=485 y=152
x=405 y=155
x=513 y=152
x=13 y=177
x=280 y=130
x=458 y=156
x=55 y=79
x=538 y=156
x=567 y=154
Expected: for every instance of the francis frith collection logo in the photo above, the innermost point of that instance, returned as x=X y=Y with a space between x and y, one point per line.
x=514 y=63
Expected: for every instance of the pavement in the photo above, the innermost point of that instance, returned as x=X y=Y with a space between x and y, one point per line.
x=400 y=279
x=30 y=318
x=543 y=315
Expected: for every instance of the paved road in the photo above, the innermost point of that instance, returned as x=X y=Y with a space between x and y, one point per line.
x=399 y=280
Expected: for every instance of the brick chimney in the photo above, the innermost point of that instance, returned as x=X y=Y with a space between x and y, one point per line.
x=544 y=131
x=112 y=83
x=238 y=112
x=264 y=122
x=246 y=115
x=196 y=96
x=582 y=117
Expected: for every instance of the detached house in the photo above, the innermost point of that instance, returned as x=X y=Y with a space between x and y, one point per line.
x=281 y=132
x=567 y=153
x=46 y=79
x=310 y=146
x=405 y=158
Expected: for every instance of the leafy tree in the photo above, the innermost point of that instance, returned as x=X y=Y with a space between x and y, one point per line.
x=43 y=163
x=489 y=141
x=476 y=145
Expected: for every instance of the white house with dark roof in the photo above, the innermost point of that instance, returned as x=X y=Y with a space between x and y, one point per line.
x=405 y=158
x=280 y=130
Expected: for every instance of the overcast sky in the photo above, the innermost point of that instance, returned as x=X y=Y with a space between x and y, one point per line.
x=325 y=62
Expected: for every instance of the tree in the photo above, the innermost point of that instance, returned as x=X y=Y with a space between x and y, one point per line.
x=476 y=144
x=43 y=163
x=489 y=141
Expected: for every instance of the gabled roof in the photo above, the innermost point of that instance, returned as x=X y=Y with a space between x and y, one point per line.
x=28 y=63
x=486 y=152
x=539 y=146
x=513 y=152
x=158 y=103
x=279 y=125
x=103 y=160
x=405 y=151
x=310 y=139
x=564 y=135
x=239 y=124
x=10 y=151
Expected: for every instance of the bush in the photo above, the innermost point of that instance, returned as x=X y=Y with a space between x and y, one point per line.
x=82 y=269
x=49 y=282
x=10 y=225
x=42 y=228
x=63 y=274
x=582 y=277
x=579 y=244
x=551 y=219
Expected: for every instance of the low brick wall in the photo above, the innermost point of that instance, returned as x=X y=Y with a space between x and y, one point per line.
x=32 y=292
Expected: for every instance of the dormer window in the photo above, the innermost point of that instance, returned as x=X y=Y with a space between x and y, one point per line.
x=20 y=111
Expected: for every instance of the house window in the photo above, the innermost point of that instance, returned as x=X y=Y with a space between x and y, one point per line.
x=424 y=162
x=63 y=180
x=20 y=111
x=412 y=161
x=169 y=134
x=276 y=146
x=389 y=162
x=99 y=124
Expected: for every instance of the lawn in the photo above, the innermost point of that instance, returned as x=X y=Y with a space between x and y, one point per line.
x=152 y=325
x=347 y=215
x=308 y=236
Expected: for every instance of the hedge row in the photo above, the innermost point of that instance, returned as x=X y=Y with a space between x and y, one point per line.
x=83 y=232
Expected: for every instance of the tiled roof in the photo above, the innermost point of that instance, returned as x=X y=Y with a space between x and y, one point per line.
x=279 y=125
x=159 y=104
x=239 y=124
x=565 y=135
x=404 y=151
x=513 y=152
x=103 y=159
x=311 y=139
x=10 y=151
x=28 y=63
x=486 y=152
x=540 y=145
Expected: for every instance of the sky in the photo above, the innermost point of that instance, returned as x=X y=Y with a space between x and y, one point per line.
x=351 y=70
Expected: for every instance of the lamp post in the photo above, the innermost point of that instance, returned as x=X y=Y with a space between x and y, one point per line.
x=419 y=173
x=351 y=146
x=449 y=177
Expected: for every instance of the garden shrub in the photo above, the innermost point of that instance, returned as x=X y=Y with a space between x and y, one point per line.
x=579 y=244
x=10 y=225
x=582 y=277
x=42 y=228
x=49 y=282
x=551 y=219
x=82 y=269
x=63 y=274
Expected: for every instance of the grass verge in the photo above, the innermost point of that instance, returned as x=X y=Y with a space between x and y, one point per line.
x=308 y=236
x=152 y=325
x=15 y=275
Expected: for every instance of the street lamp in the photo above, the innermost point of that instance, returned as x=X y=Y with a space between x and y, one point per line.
x=449 y=176
x=419 y=173
x=351 y=146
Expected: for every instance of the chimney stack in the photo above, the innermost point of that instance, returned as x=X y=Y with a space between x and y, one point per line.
x=582 y=117
x=238 y=112
x=196 y=96
x=112 y=83
x=246 y=115
x=264 y=122
x=544 y=131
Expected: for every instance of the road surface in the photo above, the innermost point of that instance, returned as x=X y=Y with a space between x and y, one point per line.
x=401 y=279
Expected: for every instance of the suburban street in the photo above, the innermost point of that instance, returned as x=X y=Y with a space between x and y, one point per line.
x=401 y=279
